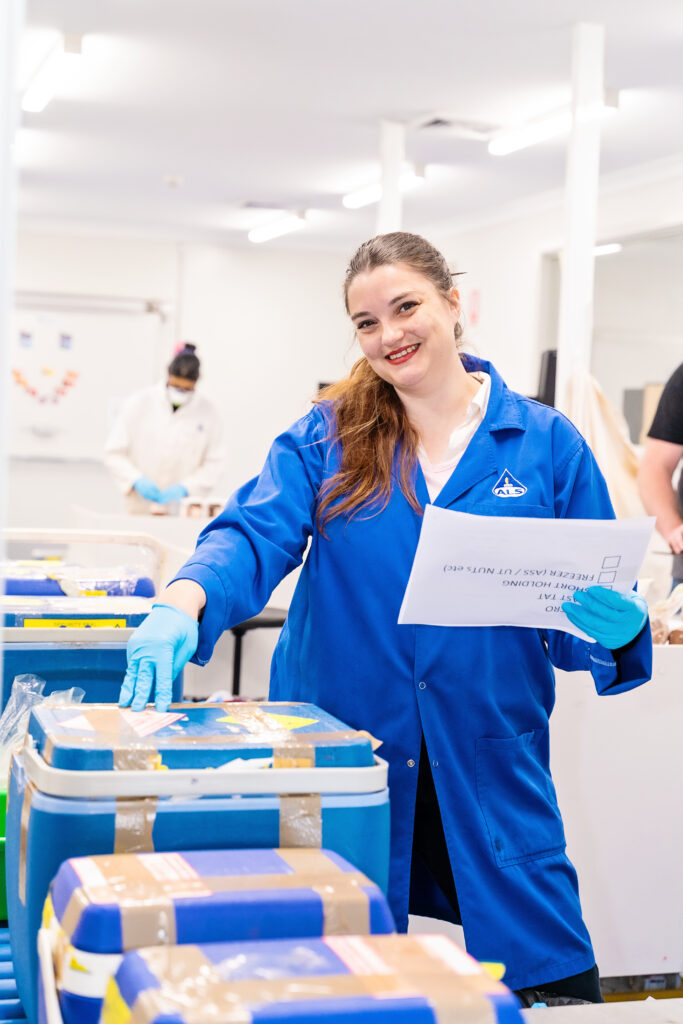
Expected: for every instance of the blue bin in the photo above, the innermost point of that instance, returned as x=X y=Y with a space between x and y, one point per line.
x=376 y=979
x=238 y=775
x=71 y=642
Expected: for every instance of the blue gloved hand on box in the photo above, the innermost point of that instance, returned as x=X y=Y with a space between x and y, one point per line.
x=147 y=489
x=158 y=650
x=611 y=618
x=173 y=493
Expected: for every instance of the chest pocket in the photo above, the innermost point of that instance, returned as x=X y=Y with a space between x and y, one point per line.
x=517 y=798
x=511 y=507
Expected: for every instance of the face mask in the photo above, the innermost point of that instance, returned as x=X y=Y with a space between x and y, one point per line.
x=178 y=396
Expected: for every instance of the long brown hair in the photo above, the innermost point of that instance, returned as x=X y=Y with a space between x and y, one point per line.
x=370 y=421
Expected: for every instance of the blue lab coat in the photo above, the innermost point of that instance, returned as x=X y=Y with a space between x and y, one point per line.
x=481 y=696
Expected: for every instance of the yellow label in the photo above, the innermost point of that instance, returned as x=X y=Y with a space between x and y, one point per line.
x=93 y=593
x=75 y=623
x=494 y=970
x=74 y=964
x=48 y=912
x=114 y=1008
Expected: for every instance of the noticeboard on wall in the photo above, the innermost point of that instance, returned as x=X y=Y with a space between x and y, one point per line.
x=70 y=371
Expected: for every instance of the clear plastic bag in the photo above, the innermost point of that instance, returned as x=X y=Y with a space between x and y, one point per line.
x=27 y=693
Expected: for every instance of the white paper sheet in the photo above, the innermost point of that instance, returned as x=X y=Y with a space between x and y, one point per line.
x=474 y=570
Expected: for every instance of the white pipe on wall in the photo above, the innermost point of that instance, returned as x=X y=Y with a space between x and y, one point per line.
x=11 y=24
x=580 y=213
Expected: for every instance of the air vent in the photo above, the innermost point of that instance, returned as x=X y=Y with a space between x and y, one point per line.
x=458 y=128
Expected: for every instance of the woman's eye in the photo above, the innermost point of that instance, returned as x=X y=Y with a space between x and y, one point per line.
x=407 y=306
x=364 y=324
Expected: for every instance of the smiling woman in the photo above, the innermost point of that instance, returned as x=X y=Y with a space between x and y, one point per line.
x=477 y=835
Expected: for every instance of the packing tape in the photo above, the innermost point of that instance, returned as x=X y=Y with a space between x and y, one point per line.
x=148 y=925
x=296 y=755
x=134 y=825
x=301 y=822
x=148 y=901
x=191 y=987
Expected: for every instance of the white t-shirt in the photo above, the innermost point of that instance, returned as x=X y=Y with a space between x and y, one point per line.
x=436 y=474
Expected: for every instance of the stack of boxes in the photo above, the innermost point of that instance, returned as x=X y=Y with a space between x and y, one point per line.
x=264 y=898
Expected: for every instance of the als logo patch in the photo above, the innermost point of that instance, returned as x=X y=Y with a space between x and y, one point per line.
x=508 y=486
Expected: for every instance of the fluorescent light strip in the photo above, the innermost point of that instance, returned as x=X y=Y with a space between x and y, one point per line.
x=275 y=228
x=607 y=249
x=373 y=193
x=530 y=134
x=533 y=132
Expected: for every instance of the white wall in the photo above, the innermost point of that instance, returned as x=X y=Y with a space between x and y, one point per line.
x=504 y=260
x=268 y=327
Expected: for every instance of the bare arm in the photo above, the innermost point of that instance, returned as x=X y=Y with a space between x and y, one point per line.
x=186 y=595
x=655 y=486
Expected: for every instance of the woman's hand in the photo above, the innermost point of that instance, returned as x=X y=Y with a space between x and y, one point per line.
x=161 y=646
x=611 y=618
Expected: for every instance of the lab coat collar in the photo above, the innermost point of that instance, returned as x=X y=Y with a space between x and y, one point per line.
x=480 y=458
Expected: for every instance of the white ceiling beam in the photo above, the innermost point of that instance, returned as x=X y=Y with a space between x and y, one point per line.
x=580 y=213
x=393 y=154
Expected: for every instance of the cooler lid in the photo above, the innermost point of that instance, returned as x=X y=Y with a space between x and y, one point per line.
x=100 y=737
x=73 y=612
x=109 y=904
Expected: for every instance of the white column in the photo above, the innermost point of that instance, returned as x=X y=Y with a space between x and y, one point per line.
x=11 y=23
x=581 y=205
x=392 y=151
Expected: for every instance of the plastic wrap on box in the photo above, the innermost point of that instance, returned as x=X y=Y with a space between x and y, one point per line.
x=50 y=577
x=339 y=979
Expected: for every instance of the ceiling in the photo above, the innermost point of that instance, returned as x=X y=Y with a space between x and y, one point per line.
x=278 y=104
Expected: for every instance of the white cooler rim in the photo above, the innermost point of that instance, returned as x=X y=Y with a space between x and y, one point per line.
x=202 y=782
x=53 y=1013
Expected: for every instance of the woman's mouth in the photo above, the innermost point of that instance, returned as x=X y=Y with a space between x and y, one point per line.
x=401 y=355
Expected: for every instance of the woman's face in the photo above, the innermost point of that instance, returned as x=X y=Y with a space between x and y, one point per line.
x=405 y=326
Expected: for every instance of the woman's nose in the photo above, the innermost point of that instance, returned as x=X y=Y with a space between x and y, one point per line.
x=391 y=333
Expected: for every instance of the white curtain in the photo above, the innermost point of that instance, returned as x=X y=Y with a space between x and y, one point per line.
x=605 y=429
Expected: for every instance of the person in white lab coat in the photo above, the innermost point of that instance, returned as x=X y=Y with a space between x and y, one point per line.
x=166 y=442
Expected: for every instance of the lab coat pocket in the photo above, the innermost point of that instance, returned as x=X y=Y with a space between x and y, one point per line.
x=517 y=797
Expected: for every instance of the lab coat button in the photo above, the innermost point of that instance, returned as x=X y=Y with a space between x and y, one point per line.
x=423 y=686
x=410 y=763
x=435 y=764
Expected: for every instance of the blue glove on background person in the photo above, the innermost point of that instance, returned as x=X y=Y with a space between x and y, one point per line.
x=158 y=650
x=147 y=489
x=611 y=618
x=173 y=493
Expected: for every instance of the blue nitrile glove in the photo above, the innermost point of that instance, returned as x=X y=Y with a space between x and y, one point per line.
x=158 y=650
x=611 y=618
x=173 y=493
x=147 y=489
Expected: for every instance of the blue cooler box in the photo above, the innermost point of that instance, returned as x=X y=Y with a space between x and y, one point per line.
x=54 y=578
x=71 y=642
x=421 y=979
x=99 y=907
x=99 y=779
